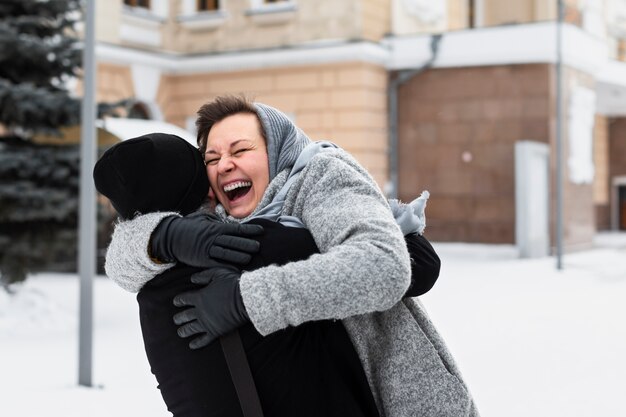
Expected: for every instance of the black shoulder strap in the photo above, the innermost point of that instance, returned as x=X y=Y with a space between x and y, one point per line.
x=240 y=373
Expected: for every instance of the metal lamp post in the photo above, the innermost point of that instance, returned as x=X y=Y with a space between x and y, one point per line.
x=87 y=214
x=559 y=137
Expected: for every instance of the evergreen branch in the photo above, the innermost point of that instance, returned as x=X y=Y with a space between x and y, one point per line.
x=36 y=110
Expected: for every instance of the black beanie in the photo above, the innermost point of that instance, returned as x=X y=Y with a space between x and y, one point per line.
x=154 y=172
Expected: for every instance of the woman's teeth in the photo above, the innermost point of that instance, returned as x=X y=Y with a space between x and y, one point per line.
x=235 y=185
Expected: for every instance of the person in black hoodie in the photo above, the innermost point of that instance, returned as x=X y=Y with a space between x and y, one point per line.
x=308 y=370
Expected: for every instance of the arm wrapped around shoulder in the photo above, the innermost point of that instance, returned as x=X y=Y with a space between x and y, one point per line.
x=363 y=265
x=128 y=262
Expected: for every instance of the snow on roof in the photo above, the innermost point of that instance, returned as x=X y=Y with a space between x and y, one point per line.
x=131 y=128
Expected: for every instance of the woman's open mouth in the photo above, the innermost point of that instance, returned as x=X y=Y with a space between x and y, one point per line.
x=236 y=190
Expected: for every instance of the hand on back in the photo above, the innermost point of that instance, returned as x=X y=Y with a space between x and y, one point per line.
x=201 y=239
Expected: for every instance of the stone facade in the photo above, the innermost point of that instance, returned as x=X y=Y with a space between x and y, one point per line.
x=114 y=83
x=375 y=18
x=175 y=25
x=242 y=29
x=458 y=125
x=344 y=103
x=457 y=132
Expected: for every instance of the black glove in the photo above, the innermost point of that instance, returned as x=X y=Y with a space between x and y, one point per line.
x=425 y=265
x=217 y=309
x=199 y=238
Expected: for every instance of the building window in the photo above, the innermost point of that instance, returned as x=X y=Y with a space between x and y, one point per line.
x=138 y=3
x=208 y=5
x=202 y=15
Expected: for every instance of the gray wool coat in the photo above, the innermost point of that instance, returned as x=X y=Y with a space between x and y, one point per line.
x=359 y=276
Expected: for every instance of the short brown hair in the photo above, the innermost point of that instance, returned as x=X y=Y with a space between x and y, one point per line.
x=217 y=110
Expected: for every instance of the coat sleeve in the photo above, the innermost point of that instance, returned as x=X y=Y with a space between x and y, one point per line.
x=127 y=261
x=363 y=265
x=425 y=265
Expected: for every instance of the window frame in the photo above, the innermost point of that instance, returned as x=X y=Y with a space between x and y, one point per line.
x=193 y=18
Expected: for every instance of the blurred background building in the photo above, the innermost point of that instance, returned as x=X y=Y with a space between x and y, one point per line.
x=331 y=64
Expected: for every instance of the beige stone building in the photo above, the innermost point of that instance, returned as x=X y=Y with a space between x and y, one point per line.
x=426 y=94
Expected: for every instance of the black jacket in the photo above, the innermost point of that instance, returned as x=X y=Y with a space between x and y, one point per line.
x=309 y=370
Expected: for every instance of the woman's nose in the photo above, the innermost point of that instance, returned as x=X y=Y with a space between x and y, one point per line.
x=225 y=164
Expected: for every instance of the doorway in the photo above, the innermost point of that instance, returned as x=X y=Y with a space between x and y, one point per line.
x=532 y=180
x=621 y=204
x=618 y=203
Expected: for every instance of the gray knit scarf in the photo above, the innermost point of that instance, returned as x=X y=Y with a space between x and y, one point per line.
x=273 y=211
x=290 y=149
x=285 y=141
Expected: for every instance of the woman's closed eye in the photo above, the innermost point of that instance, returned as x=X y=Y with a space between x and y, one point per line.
x=241 y=151
x=211 y=161
x=214 y=158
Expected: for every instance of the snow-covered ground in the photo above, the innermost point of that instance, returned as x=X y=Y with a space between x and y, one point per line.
x=531 y=341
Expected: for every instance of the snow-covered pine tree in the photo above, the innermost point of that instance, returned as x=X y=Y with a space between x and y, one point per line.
x=39 y=53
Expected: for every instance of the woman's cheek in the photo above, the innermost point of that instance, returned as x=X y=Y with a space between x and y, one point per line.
x=212 y=199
